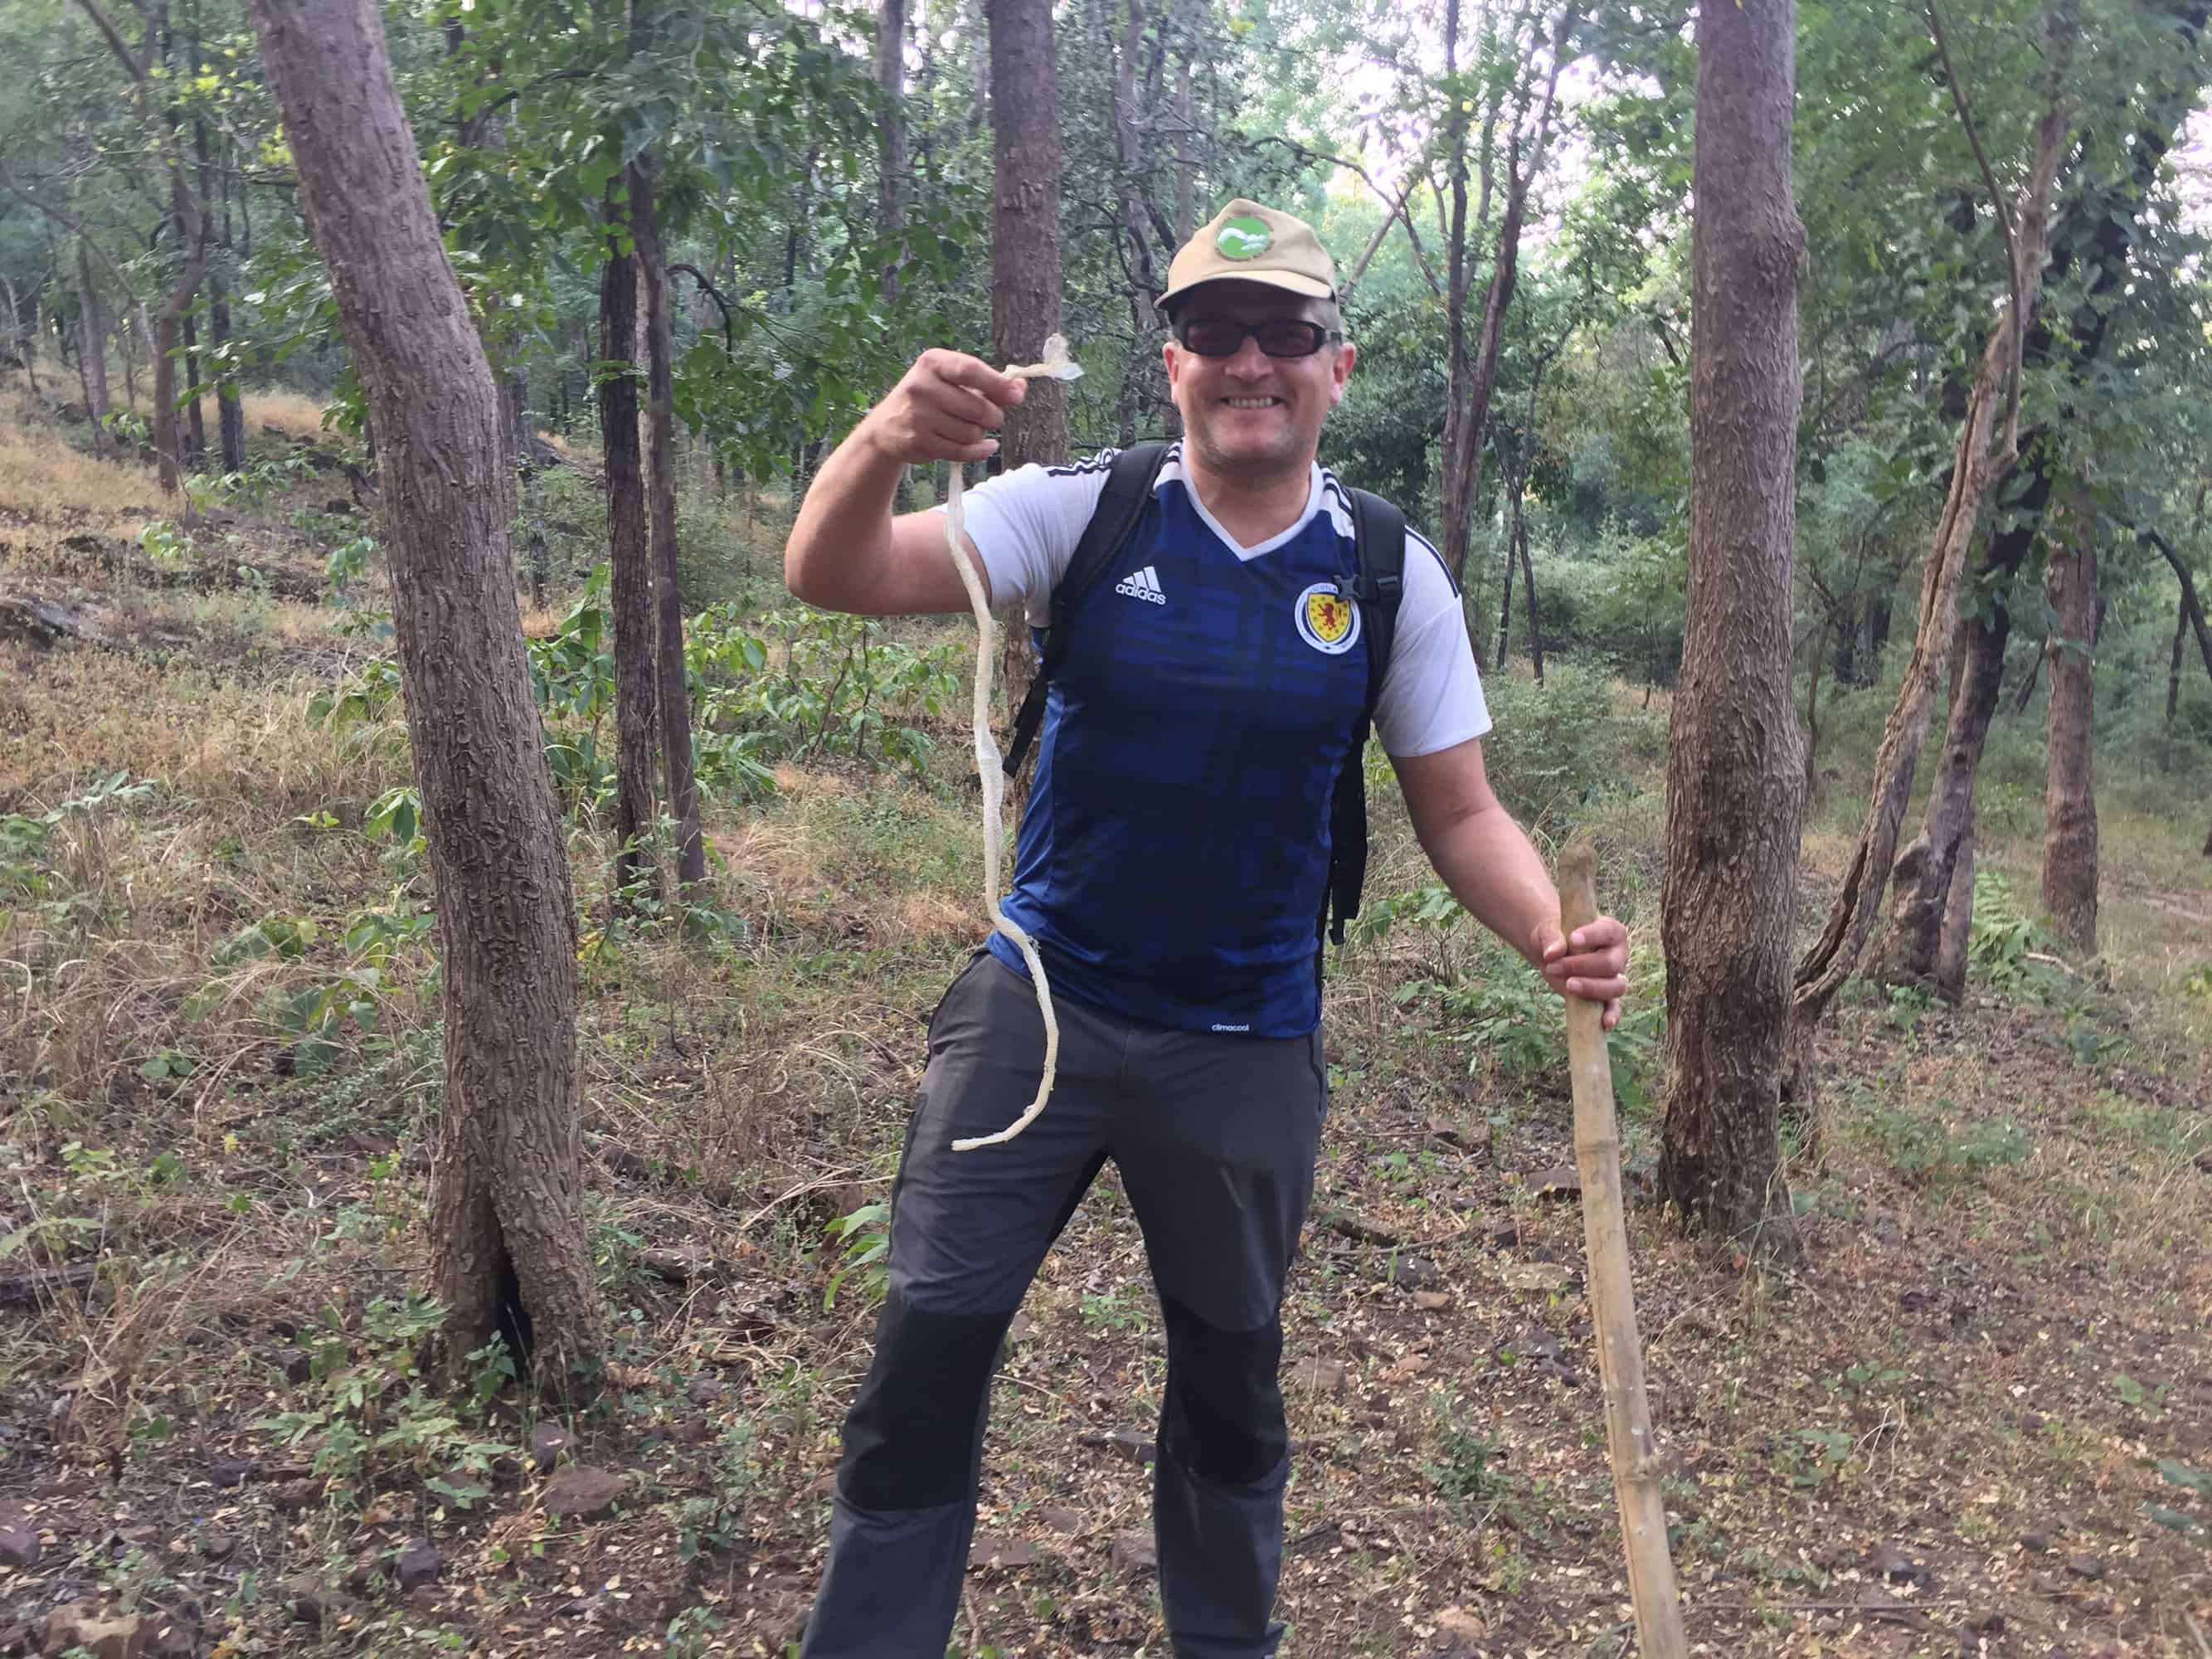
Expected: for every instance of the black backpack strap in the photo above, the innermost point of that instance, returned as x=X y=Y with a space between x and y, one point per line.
x=1129 y=479
x=1378 y=530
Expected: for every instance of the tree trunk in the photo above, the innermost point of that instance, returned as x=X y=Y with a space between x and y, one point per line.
x=1025 y=271
x=1934 y=874
x=672 y=703
x=1980 y=465
x=890 y=135
x=2069 y=802
x=514 y=397
x=630 y=565
x=508 y=1249
x=1505 y=600
x=2173 y=684
x=91 y=346
x=1471 y=378
x=230 y=412
x=2091 y=244
x=1736 y=766
x=1529 y=577
x=195 y=448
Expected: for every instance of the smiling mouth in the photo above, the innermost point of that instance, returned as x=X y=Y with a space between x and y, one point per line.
x=1253 y=402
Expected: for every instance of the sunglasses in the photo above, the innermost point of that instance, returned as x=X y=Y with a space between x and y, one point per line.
x=1279 y=336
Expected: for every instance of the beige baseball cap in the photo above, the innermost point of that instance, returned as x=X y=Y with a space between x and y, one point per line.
x=1248 y=243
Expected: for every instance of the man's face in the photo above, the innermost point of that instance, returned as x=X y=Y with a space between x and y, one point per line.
x=1250 y=415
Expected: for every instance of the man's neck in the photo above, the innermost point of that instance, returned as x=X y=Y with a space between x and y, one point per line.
x=1251 y=509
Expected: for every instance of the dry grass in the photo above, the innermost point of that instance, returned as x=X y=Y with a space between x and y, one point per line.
x=292 y=413
x=41 y=476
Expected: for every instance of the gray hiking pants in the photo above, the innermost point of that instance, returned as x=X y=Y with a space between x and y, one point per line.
x=1215 y=1138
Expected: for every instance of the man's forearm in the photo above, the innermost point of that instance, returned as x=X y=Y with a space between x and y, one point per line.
x=1492 y=869
x=844 y=526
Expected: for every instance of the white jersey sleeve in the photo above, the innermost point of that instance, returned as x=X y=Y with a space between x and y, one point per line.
x=1431 y=696
x=1026 y=523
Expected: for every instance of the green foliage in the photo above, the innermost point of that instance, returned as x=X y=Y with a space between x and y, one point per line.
x=2198 y=1483
x=370 y=693
x=714 y=1519
x=367 y=1413
x=1936 y=1154
x=805 y=682
x=1462 y=1461
x=1555 y=748
x=863 y=1246
x=2005 y=945
x=1500 y=1009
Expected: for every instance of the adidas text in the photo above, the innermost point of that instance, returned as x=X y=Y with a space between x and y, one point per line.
x=1142 y=585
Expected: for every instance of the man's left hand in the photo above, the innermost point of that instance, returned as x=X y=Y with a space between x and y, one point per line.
x=1591 y=963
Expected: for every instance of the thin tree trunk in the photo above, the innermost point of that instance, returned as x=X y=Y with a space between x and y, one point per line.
x=1025 y=269
x=1529 y=577
x=508 y=1249
x=2069 y=801
x=891 y=134
x=1505 y=597
x=91 y=347
x=629 y=560
x=1934 y=874
x=1470 y=379
x=230 y=412
x=1979 y=464
x=672 y=703
x=1821 y=638
x=2173 y=684
x=195 y=448
x=1736 y=766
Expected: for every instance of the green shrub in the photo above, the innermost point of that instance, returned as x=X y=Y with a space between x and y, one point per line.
x=1555 y=748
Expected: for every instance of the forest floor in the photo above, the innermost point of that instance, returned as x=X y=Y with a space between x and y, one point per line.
x=1968 y=1422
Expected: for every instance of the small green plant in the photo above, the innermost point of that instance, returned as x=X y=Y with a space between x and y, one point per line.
x=398 y=814
x=712 y=1520
x=1112 y=1310
x=164 y=544
x=347 y=564
x=2197 y=1482
x=1812 y=1457
x=372 y=689
x=1908 y=1004
x=2151 y=1402
x=1463 y=1463
x=864 y=1241
x=359 y=1430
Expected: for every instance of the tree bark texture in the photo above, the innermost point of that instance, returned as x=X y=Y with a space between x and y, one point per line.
x=2092 y=242
x=2069 y=801
x=1735 y=767
x=91 y=346
x=1979 y=464
x=891 y=133
x=508 y=1251
x=230 y=412
x=672 y=700
x=1927 y=878
x=630 y=559
x=1025 y=269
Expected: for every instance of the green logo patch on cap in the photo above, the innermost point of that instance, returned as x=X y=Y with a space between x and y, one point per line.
x=1244 y=238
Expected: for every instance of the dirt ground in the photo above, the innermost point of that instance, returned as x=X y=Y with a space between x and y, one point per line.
x=1973 y=1418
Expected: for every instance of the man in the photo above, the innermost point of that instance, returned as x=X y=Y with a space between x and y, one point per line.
x=1170 y=866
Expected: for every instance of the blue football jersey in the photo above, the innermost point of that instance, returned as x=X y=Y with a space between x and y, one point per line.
x=1175 y=848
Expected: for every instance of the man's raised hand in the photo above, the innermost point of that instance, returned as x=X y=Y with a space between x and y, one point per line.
x=944 y=409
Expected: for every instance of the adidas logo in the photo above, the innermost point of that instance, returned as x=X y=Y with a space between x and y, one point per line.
x=1142 y=585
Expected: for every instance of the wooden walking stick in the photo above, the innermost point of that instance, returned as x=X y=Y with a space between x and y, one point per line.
x=1612 y=1298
